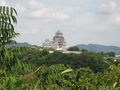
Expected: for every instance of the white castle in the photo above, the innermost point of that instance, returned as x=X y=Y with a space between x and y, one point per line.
x=58 y=42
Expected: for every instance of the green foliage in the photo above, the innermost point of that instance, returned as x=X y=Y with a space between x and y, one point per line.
x=73 y=48
x=7 y=33
x=7 y=18
x=84 y=50
x=111 y=54
x=58 y=77
x=88 y=59
x=108 y=54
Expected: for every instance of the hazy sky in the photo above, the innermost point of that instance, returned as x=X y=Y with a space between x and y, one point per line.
x=81 y=21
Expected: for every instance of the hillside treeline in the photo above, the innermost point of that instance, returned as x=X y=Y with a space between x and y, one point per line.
x=95 y=61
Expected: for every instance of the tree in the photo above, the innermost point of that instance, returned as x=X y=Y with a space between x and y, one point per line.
x=84 y=50
x=73 y=48
x=7 y=33
x=111 y=54
x=7 y=20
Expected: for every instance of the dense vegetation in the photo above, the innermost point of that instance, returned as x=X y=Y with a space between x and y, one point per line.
x=94 y=61
x=33 y=69
x=74 y=48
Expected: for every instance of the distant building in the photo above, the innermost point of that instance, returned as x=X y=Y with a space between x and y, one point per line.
x=118 y=56
x=58 y=42
x=72 y=52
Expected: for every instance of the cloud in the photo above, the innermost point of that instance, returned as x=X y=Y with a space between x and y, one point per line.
x=41 y=10
x=39 y=13
x=49 y=13
x=36 y=3
x=60 y=16
x=38 y=9
x=88 y=19
x=115 y=19
x=3 y=3
x=109 y=13
x=108 y=7
x=20 y=8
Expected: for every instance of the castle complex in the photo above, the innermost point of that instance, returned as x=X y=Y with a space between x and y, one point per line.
x=58 y=42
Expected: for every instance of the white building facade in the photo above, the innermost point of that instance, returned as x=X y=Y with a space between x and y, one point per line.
x=58 y=42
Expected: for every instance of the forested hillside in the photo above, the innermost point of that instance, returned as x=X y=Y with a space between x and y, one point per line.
x=18 y=45
x=94 y=61
x=100 y=48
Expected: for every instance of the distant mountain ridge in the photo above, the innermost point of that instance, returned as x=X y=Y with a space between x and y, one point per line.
x=100 y=48
x=19 y=45
x=89 y=47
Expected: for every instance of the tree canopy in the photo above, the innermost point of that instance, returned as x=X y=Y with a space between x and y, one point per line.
x=73 y=48
x=7 y=33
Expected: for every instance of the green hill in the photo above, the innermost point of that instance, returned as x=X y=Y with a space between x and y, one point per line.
x=19 y=45
x=99 y=48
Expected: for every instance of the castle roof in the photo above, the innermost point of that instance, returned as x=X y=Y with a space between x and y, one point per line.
x=58 y=32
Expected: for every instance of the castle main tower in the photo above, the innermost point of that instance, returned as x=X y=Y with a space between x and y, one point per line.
x=57 y=43
x=59 y=39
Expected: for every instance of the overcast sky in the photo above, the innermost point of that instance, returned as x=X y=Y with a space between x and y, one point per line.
x=81 y=21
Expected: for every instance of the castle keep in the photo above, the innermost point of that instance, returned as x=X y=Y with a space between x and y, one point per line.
x=58 y=42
